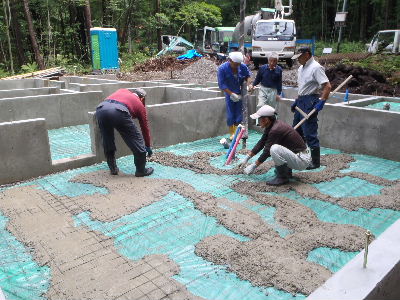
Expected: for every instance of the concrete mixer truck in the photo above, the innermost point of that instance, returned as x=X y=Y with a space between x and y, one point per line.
x=266 y=31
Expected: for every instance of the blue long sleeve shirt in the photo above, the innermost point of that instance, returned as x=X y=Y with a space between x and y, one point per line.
x=269 y=78
x=227 y=80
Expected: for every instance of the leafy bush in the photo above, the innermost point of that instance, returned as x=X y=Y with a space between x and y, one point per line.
x=129 y=60
x=386 y=64
x=29 y=68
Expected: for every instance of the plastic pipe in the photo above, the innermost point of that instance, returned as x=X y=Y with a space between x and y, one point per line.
x=228 y=161
x=234 y=140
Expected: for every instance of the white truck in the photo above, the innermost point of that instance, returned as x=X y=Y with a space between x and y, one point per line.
x=268 y=31
x=385 y=41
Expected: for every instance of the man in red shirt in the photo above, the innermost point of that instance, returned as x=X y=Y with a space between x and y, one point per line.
x=118 y=111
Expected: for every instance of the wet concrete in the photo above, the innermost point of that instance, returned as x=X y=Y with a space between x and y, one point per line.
x=85 y=262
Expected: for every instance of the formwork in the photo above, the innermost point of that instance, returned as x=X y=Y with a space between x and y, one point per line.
x=195 y=229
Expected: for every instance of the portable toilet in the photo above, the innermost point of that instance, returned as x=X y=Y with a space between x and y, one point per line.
x=104 y=48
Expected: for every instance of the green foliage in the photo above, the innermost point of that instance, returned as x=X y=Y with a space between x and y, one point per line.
x=387 y=64
x=29 y=67
x=345 y=47
x=130 y=60
x=4 y=73
x=199 y=14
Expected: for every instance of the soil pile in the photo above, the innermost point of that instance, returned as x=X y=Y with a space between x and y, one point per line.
x=364 y=81
x=164 y=63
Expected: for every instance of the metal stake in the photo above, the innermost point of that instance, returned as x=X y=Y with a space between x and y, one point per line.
x=367 y=238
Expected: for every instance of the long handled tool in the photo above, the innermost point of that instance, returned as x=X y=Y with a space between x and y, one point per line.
x=233 y=151
x=306 y=117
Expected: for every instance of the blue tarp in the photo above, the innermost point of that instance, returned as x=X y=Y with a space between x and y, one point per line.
x=190 y=54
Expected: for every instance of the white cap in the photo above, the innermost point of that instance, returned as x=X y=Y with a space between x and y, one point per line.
x=236 y=56
x=263 y=111
x=273 y=55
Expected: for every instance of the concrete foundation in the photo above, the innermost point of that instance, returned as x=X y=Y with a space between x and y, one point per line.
x=379 y=280
x=183 y=114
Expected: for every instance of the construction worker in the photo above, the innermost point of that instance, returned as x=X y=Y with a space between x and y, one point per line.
x=231 y=76
x=282 y=143
x=118 y=111
x=270 y=77
x=311 y=76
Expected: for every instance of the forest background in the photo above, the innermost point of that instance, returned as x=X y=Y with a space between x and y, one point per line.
x=38 y=34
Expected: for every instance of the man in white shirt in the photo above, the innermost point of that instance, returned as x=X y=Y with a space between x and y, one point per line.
x=310 y=77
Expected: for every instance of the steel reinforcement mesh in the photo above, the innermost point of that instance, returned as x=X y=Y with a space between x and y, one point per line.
x=173 y=226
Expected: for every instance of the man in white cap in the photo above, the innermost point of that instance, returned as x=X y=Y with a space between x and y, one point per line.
x=270 y=77
x=282 y=143
x=231 y=76
x=117 y=111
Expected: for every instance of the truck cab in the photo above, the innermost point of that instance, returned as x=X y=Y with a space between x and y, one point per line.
x=385 y=41
x=278 y=35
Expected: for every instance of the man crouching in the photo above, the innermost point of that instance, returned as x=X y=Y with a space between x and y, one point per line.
x=282 y=143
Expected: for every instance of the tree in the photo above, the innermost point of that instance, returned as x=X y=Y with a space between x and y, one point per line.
x=32 y=35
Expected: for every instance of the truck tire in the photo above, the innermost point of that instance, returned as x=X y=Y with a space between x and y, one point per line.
x=289 y=63
x=256 y=63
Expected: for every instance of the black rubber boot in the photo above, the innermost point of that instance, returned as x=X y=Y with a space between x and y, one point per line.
x=315 y=159
x=140 y=163
x=112 y=163
x=282 y=175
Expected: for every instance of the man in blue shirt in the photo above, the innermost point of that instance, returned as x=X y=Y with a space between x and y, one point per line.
x=270 y=77
x=231 y=76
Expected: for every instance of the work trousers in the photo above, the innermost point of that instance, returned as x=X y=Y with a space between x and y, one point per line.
x=116 y=115
x=234 y=114
x=309 y=129
x=267 y=96
x=297 y=161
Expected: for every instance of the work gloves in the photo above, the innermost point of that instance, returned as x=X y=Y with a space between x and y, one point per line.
x=293 y=106
x=244 y=161
x=250 y=169
x=235 y=97
x=149 y=151
x=320 y=105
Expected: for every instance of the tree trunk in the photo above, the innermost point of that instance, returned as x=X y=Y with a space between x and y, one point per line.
x=7 y=15
x=32 y=34
x=159 y=42
x=16 y=31
x=88 y=24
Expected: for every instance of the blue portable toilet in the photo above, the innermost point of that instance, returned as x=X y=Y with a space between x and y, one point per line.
x=104 y=48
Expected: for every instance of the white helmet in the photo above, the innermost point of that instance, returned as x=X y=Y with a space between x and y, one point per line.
x=236 y=56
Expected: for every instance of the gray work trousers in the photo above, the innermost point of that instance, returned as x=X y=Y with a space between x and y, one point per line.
x=297 y=161
x=115 y=115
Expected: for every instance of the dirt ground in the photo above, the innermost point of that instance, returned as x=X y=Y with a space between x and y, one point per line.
x=201 y=70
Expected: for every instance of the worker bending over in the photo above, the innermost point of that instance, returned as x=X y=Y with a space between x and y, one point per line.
x=118 y=111
x=310 y=77
x=231 y=76
x=282 y=143
x=270 y=77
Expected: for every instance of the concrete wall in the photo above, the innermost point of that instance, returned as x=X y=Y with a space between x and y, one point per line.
x=28 y=92
x=59 y=110
x=23 y=83
x=25 y=150
x=355 y=129
x=379 y=280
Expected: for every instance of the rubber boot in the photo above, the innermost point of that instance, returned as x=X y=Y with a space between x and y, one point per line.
x=282 y=175
x=140 y=163
x=315 y=159
x=112 y=163
x=232 y=131
x=290 y=173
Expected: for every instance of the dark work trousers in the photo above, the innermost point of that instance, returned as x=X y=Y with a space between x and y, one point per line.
x=309 y=129
x=116 y=115
x=234 y=114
